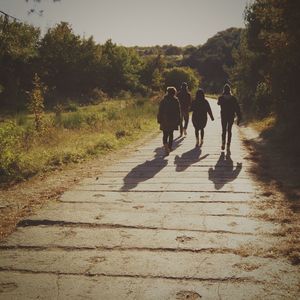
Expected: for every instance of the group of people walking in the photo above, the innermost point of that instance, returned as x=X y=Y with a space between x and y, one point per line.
x=174 y=112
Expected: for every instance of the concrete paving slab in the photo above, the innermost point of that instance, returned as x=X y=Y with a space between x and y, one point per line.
x=127 y=288
x=71 y=237
x=157 y=197
x=154 y=227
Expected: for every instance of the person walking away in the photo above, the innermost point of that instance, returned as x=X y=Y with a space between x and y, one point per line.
x=169 y=117
x=229 y=109
x=200 y=108
x=185 y=100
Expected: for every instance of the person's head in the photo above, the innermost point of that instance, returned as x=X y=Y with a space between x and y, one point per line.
x=200 y=94
x=184 y=86
x=171 y=91
x=226 y=89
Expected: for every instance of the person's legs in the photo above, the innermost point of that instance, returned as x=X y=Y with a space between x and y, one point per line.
x=181 y=126
x=170 y=142
x=165 y=137
x=165 y=141
x=197 y=136
x=224 y=129
x=186 y=120
x=202 y=134
x=229 y=129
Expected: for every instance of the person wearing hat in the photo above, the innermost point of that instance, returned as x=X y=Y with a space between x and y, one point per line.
x=185 y=100
x=200 y=108
x=229 y=109
x=169 y=117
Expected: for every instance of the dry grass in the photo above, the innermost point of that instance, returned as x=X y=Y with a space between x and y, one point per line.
x=274 y=204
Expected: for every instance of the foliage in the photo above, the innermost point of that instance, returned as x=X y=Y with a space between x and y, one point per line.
x=213 y=59
x=71 y=136
x=77 y=68
x=10 y=137
x=175 y=76
x=36 y=102
x=18 y=53
x=268 y=61
x=151 y=72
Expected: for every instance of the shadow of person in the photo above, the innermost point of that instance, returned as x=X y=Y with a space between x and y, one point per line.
x=177 y=142
x=224 y=171
x=144 y=171
x=188 y=158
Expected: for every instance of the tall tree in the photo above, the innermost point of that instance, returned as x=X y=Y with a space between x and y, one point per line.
x=18 y=52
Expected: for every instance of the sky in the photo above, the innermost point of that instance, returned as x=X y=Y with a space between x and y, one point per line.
x=135 y=22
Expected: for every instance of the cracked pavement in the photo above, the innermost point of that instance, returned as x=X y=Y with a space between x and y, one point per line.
x=154 y=227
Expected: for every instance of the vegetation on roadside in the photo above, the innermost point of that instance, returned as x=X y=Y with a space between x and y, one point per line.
x=70 y=136
x=267 y=66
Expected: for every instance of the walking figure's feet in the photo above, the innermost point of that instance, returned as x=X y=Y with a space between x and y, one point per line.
x=184 y=131
x=223 y=146
x=201 y=143
x=197 y=142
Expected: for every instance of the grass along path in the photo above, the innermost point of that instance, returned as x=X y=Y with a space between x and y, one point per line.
x=71 y=136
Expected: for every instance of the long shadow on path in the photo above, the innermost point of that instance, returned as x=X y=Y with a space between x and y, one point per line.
x=188 y=158
x=224 y=171
x=144 y=171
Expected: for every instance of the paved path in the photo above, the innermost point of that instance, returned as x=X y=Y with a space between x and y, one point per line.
x=153 y=227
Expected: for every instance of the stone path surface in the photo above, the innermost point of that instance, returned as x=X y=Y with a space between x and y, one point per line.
x=153 y=227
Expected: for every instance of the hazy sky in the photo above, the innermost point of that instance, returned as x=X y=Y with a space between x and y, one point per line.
x=135 y=22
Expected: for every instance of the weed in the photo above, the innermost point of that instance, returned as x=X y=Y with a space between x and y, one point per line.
x=68 y=137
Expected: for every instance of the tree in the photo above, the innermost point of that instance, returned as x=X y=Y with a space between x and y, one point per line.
x=272 y=42
x=18 y=54
x=120 y=67
x=59 y=52
x=175 y=76
x=36 y=102
x=151 y=72
x=213 y=59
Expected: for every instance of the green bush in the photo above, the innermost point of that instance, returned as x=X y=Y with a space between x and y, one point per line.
x=175 y=77
x=72 y=120
x=71 y=107
x=10 y=156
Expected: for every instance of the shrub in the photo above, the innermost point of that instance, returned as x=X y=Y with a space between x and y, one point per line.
x=175 y=77
x=36 y=102
x=71 y=107
x=10 y=137
x=98 y=96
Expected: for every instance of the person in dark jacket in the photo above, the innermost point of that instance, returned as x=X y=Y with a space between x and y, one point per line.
x=185 y=100
x=229 y=109
x=200 y=108
x=169 y=116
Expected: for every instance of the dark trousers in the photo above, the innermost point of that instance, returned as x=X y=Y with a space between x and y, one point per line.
x=197 y=133
x=168 y=138
x=185 y=118
x=226 y=128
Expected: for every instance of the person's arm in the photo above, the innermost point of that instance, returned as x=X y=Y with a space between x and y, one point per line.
x=189 y=100
x=209 y=111
x=238 y=112
x=179 y=112
x=159 y=115
x=219 y=100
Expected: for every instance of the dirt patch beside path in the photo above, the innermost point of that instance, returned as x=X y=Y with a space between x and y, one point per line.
x=282 y=204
